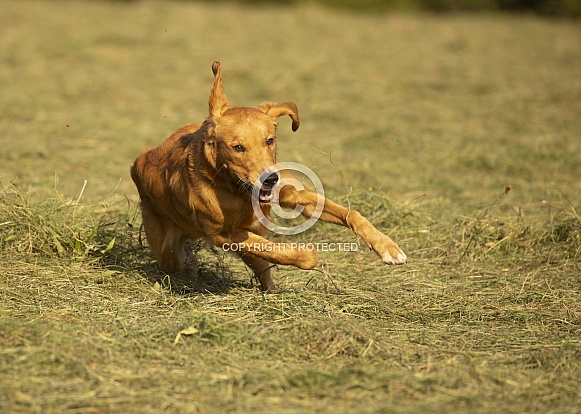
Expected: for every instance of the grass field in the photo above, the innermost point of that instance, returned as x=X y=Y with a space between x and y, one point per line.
x=418 y=121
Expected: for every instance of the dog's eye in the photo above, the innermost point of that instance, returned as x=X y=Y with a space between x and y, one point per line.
x=269 y=141
x=238 y=148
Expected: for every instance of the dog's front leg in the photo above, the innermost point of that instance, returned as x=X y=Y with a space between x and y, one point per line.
x=258 y=253
x=262 y=270
x=331 y=212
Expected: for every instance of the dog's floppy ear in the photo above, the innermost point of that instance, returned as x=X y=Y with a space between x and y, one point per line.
x=218 y=101
x=275 y=110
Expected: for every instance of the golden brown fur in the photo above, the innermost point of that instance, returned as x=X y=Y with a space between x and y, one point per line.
x=198 y=184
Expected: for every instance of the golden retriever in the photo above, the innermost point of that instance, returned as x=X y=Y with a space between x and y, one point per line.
x=199 y=183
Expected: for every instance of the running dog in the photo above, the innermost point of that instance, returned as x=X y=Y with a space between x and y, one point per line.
x=199 y=183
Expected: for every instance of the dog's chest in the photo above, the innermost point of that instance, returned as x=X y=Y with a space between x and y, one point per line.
x=255 y=226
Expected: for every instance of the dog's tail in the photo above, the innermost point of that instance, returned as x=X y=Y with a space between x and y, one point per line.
x=218 y=101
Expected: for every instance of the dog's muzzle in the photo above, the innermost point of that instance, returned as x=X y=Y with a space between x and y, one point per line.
x=266 y=193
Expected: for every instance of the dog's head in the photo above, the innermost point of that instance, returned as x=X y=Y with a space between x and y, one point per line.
x=240 y=141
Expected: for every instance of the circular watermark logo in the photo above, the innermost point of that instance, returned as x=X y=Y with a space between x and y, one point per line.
x=276 y=202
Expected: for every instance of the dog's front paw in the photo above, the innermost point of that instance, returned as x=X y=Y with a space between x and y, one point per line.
x=307 y=260
x=394 y=255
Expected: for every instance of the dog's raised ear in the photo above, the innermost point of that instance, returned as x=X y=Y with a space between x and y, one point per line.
x=275 y=110
x=208 y=130
x=218 y=101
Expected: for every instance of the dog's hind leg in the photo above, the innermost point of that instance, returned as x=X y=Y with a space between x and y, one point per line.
x=168 y=243
x=261 y=269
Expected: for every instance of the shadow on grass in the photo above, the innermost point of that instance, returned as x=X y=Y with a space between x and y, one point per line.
x=61 y=229
x=129 y=251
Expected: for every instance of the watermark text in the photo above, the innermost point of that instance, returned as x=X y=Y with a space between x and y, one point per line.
x=287 y=247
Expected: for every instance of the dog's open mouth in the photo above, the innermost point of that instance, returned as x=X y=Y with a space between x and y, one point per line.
x=265 y=195
x=266 y=191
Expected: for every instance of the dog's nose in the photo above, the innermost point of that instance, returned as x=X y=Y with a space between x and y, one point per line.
x=271 y=180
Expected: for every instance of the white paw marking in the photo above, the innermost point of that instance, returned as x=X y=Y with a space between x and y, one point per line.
x=401 y=258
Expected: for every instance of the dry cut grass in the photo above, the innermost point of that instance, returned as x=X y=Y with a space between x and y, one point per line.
x=485 y=317
x=417 y=121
